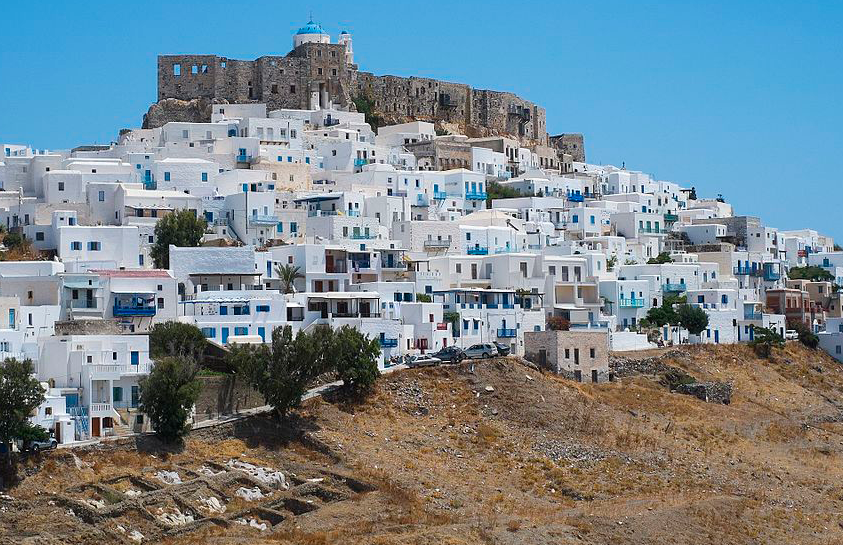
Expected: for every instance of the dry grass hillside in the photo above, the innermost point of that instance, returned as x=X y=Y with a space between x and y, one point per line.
x=487 y=453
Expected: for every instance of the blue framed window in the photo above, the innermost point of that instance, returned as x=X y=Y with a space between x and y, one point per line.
x=204 y=176
x=94 y=246
x=223 y=310
x=135 y=357
x=166 y=176
x=241 y=330
x=101 y=196
x=76 y=245
x=209 y=332
x=307 y=160
x=575 y=219
x=293 y=227
x=262 y=308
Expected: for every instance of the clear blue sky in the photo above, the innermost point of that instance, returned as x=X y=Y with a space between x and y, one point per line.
x=741 y=98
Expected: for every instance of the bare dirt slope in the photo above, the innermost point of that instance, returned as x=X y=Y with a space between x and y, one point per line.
x=491 y=453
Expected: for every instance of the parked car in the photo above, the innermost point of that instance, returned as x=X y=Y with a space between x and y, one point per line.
x=423 y=360
x=36 y=445
x=450 y=354
x=503 y=349
x=791 y=335
x=483 y=350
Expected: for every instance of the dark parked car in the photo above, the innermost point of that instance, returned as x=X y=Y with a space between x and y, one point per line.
x=450 y=354
x=503 y=349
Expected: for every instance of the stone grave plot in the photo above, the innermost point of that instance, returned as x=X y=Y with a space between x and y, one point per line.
x=133 y=524
x=170 y=476
x=209 y=499
x=132 y=486
x=171 y=511
x=96 y=496
x=259 y=518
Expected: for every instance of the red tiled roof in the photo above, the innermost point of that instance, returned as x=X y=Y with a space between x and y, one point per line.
x=147 y=273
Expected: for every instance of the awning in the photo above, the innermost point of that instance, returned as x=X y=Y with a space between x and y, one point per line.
x=127 y=291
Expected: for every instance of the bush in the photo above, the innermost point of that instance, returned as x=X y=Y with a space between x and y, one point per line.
x=675 y=378
x=20 y=394
x=813 y=272
x=558 y=323
x=167 y=396
x=660 y=259
x=764 y=340
x=692 y=318
x=423 y=298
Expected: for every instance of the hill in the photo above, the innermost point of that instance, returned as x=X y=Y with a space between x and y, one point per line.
x=490 y=452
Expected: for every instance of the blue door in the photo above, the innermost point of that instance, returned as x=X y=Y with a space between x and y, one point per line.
x=224 y=335
x=135 y=358
x=262 y=333
x=716 y=336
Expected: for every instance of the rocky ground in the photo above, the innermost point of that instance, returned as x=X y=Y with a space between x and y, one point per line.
x=489 y=452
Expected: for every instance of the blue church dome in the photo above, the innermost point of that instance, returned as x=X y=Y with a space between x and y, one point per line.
x=311 y=28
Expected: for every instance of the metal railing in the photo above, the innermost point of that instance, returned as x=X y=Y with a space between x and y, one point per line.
x=389 y=343
x=477 y=250
x=507 y=333
x=475 y=195
x=669 y=287
x=133 y=310
x=631 y=303
x=437 y=243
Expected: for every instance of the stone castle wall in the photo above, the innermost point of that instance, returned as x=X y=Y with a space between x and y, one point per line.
x=320 y=70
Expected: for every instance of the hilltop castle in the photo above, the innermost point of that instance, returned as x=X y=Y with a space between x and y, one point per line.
x=318 y=73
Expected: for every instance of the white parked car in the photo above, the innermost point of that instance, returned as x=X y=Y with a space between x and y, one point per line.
x=791 y=335
x=483 y=350
x=423 y=360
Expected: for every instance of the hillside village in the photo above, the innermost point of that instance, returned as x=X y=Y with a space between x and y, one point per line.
x=504 y=239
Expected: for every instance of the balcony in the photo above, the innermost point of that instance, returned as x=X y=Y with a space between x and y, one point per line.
x=439 y=195
x=673 y=288
x=389 y=343
x=477 y=250
x=100 y=409
x=361 y=162
x=437 y=243
x=133 y=310
x=507 y=333
x=361 y=236
x=752 y=316
x=358 y=265
x=476 y=195
x=243 y=158
x=652 y=230
x=260 y=219
x=741 y=270
x=631 y=303
x=576 y=197
x=670 y=218
x=771 y=276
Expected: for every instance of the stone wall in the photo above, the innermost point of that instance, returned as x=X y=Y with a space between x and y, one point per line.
x=225 y=394
x=319 y=70
x=573 y=144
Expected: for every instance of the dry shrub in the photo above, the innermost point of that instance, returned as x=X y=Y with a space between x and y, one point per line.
x=487 y=433
x=782 y=431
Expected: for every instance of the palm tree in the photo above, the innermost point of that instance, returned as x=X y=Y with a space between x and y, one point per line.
x=288 y=275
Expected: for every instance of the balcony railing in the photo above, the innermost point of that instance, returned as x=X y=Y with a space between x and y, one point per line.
x=507 y=333
x=243 y=158
x=674 y=288
x=754 y=316
x=389 y=343
x=133 y=310
x=477 y=250
x=475 y=195
x=632 y=303
x=260 y=219
x=439 y=195
x=100 y=408
x=361 y=236
x=652 y=230
x=437 y=243
x=741 y=270
x=671 y=217
x=361 y=162
x=357 y=265
x=575 y=197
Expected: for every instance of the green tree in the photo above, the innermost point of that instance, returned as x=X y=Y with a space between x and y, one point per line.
x=611 y=262
x=806 y=336
x=812 y=272
x=692 y=318
x=288 y=274
x=20 y=394
x=495 y=190
x=660 y=259
x=356 y=359
x=168 y=394
x=764 y=340
x=176 y=339
x=182 y=228
x=283 y=370
x=366 y=106
x=423 y=298
x=15 y=241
